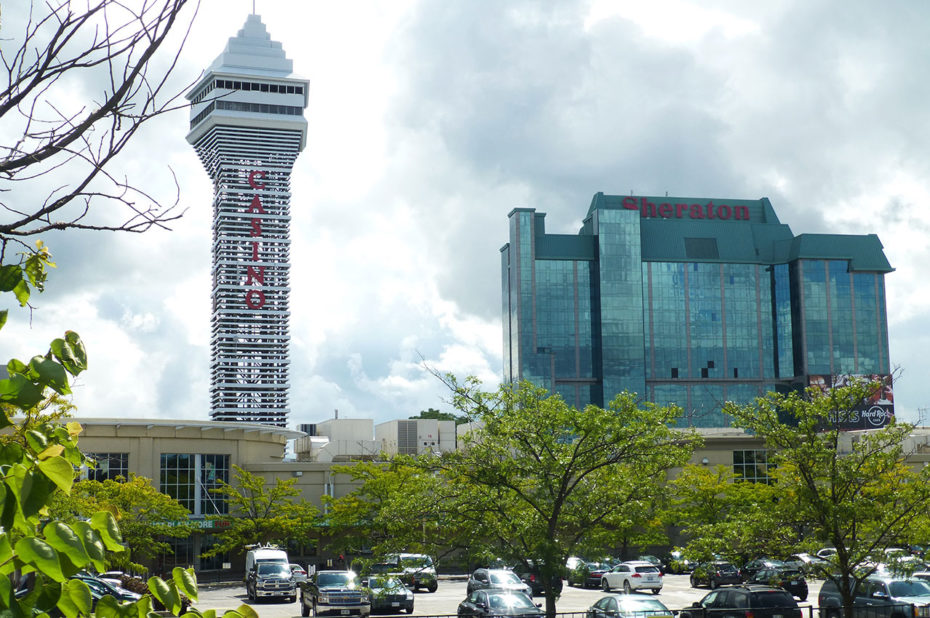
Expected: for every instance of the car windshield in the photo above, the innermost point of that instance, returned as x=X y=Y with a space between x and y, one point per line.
x=270 y=568
x=774 y=598
x=383 y=582
x=509 y=601
x=909 y=588
x=335 y=579
x=503 y=577
x=417 y=562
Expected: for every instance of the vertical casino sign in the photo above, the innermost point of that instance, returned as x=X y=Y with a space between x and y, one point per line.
x=255 y=273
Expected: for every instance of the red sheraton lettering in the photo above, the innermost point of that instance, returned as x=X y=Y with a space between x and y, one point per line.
x=255 y=275
x=667 y=210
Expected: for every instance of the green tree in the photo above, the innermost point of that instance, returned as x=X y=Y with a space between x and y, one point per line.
x=432 y=413
x=146 y=517
x=260 y=514
x=538 y=477
x=851 y=490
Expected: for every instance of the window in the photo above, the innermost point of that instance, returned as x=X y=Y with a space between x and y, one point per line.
x=188 y=478
x=752 y=466
x=106 y=467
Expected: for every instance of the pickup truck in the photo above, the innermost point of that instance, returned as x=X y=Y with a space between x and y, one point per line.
x=334 y=593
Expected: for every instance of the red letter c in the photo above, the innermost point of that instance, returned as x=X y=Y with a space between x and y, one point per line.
x=252 y=176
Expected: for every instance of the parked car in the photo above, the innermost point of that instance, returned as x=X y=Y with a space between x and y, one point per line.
x=753 y=566
x=713 y=574
x=677 y=563
x=587 y=574
x=500 y=579
x=336 y=593
x=633 y=575
x=388 y=594
x=808 y=563
x=415 y=570
x=746 y=601
x=299 y=573
x=99 y=589
x=826 y=552
x=784 y=577
x=634 y=605
x=487 y=603
x=271 y=580
x=879 y=597
x=530 y=574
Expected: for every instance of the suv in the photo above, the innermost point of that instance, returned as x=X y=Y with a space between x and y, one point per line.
x=879 y=597
x=633 y=575
x=745 y=601
x=715 y=574
x=334 y=593
x=415 y=570
x=270 y=579
x=529 y=573
x=499 y=579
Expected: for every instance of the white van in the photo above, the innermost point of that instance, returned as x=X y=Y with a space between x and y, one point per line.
x=264 y=553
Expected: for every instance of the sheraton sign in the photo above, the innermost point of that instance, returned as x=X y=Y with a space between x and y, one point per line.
x=668 y=210
x=255 y=275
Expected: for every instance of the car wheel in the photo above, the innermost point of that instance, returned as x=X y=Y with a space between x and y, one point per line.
x=431 y=587
x=605 y=585
x=627 y=589
x=409 y=608
x=304 y=610
x=291 y=599
x=656 y=590
x=713 y=583
x=832 y=613
x=691 y=579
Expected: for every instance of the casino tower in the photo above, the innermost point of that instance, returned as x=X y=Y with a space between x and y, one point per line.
x=247 y=126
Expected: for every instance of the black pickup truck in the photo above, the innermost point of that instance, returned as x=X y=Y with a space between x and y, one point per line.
x=334 y=593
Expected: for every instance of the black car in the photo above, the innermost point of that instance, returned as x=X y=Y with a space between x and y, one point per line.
x=500 y=579
x=486 y=603
x=388 y=594
x=713 y=574
x=587 y=574
x=787 y=578
x=271 y=579
x=746 y=601
x=754 y=566
x=529 y=572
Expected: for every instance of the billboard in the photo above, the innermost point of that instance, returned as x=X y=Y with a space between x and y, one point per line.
x=873 y=413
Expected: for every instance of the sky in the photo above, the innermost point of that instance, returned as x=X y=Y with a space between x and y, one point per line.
x=429 y=121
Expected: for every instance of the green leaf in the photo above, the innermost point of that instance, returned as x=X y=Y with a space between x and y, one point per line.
x=11 y=453
x=107 y=607
x=70 y=352
x=6 y=553
x=16 y=366
x=36 y=440
x=21 y=291
x=41 y=555
x=105 y=524
x=75 y=598
x=59 y=471
x=50 y=373
x=92 y=543
x=166 y=593
x=3 y=316
x=20 y=392
x=186 y=582
x=66 y=541
x=246 y=611
x=10 y=276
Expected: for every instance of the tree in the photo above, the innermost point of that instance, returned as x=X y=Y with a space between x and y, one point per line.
x=262 y=515
x=58 y=172
x=145 y=516
x=538 y=477
x=432 y=413
x=852 y=490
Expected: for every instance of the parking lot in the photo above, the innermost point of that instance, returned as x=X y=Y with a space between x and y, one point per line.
x=676 y=594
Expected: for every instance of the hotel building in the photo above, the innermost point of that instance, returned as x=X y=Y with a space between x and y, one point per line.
x=692 y=302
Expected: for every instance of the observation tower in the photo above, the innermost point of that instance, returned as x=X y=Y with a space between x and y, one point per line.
x=247 y=126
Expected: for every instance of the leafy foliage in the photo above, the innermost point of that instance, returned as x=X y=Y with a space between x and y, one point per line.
x=262 y=515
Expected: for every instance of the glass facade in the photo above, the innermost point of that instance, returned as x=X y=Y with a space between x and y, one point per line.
x=663 y=302
x=752 y=466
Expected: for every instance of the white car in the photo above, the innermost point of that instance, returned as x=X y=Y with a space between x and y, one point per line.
x=633 y=575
